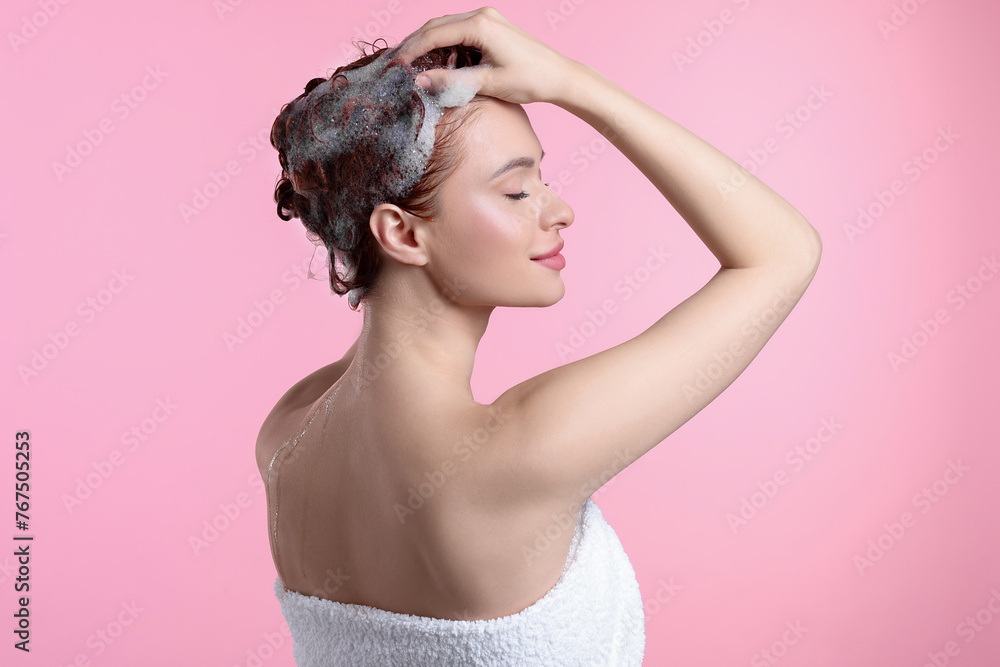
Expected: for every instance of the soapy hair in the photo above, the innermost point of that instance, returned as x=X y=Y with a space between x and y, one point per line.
x=364 y=136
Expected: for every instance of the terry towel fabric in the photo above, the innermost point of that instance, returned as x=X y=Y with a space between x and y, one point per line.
x=593 y=616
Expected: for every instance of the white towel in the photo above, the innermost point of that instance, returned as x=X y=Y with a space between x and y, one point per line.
x=592 y=616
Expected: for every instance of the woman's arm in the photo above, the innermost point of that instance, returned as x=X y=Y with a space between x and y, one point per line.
x=589 y=419
x=742 y=221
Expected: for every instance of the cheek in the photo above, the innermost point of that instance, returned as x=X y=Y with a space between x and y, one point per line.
x=489 y=237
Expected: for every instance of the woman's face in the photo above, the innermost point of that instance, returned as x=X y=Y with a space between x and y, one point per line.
x=495 y=214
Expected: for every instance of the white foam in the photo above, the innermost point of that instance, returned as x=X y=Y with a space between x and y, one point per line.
x=396 y=136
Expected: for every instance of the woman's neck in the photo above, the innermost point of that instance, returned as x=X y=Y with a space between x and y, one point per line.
x=433 y=341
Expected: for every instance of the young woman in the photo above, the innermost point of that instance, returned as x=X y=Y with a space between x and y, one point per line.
x=410 y=524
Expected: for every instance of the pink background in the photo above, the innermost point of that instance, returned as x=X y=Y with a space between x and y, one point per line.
x=716 y=593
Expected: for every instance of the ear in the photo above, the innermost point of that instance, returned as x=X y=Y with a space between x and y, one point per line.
x=400 y=234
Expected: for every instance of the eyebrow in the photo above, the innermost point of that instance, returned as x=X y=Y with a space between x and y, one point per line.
x=515 y=163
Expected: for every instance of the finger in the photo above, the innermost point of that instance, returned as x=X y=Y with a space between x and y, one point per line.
x=432 y=80
x=439 y=80
x=454 y=29
x=405 y=49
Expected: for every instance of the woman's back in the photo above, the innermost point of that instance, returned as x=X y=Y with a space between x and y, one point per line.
x=402 y=509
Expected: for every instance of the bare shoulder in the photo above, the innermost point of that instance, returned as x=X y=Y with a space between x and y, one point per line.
x=292 y=407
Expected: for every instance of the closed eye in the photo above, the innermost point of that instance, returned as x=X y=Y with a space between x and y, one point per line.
x=522 y=194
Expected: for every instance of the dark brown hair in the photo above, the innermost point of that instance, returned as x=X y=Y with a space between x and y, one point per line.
x=318 y=190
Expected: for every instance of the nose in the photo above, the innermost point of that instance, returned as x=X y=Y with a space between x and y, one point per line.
x=554 y=211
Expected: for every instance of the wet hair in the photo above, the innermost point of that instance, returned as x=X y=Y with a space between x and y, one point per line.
x=368 y=135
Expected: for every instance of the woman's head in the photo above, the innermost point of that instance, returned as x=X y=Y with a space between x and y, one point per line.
x=366 y=136
x=496 y=215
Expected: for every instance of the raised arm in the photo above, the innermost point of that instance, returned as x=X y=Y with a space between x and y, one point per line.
x=590 y=418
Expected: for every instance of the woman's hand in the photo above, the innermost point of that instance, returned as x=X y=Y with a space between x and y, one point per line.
x=514 y=67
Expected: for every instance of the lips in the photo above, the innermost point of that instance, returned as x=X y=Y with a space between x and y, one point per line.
x=554 y=251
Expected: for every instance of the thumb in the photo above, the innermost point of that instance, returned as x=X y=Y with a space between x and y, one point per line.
x=434 y=80
x=441 y=80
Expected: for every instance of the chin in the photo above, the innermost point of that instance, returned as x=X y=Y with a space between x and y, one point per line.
x=549 y=297
x=531 y=294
